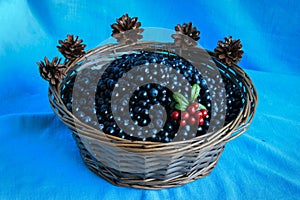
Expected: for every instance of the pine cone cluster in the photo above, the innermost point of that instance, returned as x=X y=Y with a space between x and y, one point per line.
x=189 y=30
x=125 y=23
x=186 y=35
x=230 y=51
x=52 y=71
x=127 y=30
x=71 y=48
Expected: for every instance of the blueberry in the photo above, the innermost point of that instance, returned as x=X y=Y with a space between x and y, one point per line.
x=104 y=75
x=137 y=109
x=169 y=127
x=103 y=108
x=206 y=123
x=143 y=94
x=142 y=103
x=153 y=92
x=110 y=130
x=145 y=112
x=100 y=101
x=102 y=86
x=144 y=122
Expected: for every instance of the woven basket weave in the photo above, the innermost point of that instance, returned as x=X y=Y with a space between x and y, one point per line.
x=151 y=165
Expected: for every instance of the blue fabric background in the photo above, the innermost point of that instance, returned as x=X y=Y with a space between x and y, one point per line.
x=38 y=157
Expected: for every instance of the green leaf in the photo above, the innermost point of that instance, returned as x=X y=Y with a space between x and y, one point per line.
x=180 y=107
x=201 y=107
x=195 y=92
x=173 y=104
x=179 y=98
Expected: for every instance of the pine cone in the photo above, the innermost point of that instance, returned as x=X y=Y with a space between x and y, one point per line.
x=125 y=23
x=129 y=37
x=70 y=48
x=51 y=71
x=188 y=30
x=229 y=52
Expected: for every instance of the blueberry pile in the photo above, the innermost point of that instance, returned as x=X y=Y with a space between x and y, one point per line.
x=235 y=98
x=132 y=97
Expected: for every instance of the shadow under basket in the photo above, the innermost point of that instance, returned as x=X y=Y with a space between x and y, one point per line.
x=152 y=165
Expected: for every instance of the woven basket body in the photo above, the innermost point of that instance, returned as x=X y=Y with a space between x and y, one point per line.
x=151 y=165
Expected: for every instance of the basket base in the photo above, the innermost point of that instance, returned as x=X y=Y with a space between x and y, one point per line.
x=126 y=179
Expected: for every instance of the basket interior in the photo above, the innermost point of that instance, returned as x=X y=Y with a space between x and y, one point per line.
x=231 y=103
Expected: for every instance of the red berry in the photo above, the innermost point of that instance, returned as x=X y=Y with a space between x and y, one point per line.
x=192 y=120
x=201 y=121
x=185 y=115
x=204 y=113
x=192 y=110
x=195 y=105
x=199 y=114
x=182 y=123
x=175 y=115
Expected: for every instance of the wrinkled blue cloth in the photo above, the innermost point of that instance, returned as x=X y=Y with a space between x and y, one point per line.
x=38 y=156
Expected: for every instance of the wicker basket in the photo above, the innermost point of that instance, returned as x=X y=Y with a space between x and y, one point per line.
x=151 y=165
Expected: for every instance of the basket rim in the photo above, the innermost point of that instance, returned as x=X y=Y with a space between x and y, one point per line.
x=207 y=138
